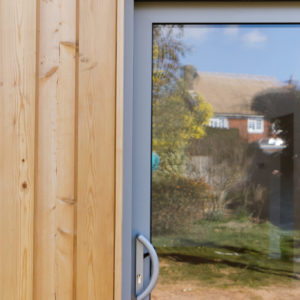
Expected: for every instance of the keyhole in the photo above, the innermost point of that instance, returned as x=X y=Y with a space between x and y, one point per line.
x=139 y=278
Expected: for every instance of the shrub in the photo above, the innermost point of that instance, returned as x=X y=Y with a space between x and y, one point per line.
x=177 y=202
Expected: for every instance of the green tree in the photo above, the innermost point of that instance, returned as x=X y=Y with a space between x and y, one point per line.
x=179 y=115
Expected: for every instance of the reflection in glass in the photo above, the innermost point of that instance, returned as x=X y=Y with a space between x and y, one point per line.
x=225 y=151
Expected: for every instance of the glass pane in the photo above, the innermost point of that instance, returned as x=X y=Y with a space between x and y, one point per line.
x=225 y=161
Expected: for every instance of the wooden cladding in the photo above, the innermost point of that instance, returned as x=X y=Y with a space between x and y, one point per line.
x=17 y=147
x=96 y=142
x=58 y=62
x=55 y=204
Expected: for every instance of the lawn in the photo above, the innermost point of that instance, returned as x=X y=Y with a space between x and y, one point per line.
x=232 y=252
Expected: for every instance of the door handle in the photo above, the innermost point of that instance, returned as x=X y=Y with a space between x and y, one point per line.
x=142 y=242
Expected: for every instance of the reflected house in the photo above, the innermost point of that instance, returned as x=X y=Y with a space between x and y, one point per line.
x=231 y=96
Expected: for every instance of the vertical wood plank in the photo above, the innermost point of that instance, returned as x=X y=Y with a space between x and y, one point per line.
x=96 y=149
x=65 y=194
x=17 y=146
x=119 y=149
x=44 y=263
x=55 y=203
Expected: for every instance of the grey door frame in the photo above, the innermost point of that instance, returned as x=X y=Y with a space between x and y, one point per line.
x=139 y=18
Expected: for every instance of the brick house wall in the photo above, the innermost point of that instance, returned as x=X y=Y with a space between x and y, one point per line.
x=242 y=125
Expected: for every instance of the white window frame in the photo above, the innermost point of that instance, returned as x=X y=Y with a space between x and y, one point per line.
x=253 y=127
x=219 y=122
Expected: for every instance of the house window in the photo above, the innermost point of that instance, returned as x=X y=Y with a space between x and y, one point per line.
x=255 y=125
x=219 y=123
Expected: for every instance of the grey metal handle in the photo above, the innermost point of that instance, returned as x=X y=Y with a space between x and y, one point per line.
x=143 y=242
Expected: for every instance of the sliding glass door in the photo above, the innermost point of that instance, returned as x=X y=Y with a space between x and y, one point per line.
x=216 y=165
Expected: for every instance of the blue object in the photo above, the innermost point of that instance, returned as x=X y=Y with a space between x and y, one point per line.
x=155 y=161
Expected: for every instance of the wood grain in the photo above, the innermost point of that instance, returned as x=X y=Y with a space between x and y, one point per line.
x=96 y=149
x=17 y=146
x=65 y=193
x=55 y=201
x=119 y=149
x=57 y=156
